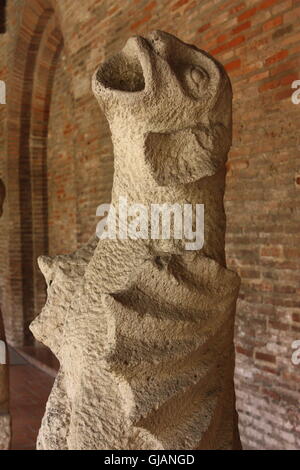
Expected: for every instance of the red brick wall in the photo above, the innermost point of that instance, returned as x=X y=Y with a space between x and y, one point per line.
x=259 y=43
x=62 y=230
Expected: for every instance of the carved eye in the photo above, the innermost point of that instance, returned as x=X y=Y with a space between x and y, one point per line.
x=196 y=79
x=198 y=75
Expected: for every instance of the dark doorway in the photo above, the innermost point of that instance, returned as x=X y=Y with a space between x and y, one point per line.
x=2 y=16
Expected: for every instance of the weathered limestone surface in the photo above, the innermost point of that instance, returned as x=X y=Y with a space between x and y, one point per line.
x=4 y=385
x=143 y=329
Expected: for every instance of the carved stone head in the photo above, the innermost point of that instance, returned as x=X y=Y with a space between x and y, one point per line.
x=172 y=98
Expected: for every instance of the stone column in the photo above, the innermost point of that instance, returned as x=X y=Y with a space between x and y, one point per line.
x=4 y=384
x=143 y=324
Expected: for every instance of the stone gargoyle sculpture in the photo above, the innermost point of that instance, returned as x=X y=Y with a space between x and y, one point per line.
x=5 y=430
x=143 y=328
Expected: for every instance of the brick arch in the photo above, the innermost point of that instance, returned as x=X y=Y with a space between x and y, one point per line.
x=49 y=52
x=33 y=58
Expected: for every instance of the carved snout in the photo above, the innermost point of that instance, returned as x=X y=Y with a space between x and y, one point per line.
x=125 y=73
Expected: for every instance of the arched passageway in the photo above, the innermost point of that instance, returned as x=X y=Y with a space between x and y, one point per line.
x=32 y=74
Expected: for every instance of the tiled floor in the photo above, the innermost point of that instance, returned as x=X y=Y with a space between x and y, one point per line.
x=41 y=357
x=29 y=390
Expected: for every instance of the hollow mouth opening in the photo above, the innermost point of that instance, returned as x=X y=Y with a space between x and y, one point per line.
x=122 y=73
